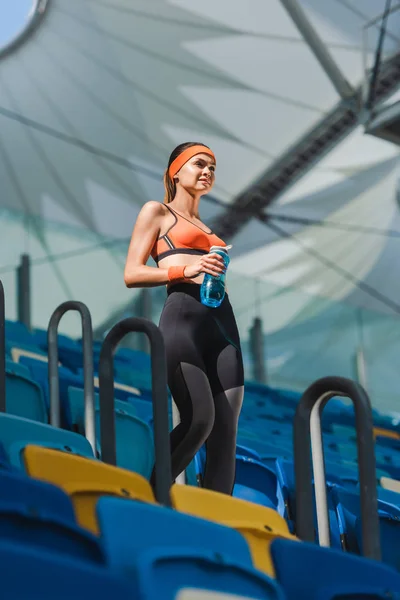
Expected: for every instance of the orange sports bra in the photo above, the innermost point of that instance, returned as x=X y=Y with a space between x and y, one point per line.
x=184 y=237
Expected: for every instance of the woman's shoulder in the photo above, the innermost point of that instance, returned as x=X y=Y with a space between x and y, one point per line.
x=153 y=208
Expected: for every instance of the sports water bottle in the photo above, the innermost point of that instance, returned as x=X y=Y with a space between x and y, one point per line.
x=212 y=291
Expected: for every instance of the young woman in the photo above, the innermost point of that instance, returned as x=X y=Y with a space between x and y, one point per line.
x=204 y=359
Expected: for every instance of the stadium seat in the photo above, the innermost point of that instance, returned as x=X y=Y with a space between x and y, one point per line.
x=308 y=572
x=129 y=528
x=246 y=451
x=166 y=551
x=16 y=433
x=257 y=483
x=135 y=445
x=259 y=525
x=347 y=506
x=40 y=515
x=16 y=331
x=27 y=574
x=85 y=481
x=24 y=397
x=39 y=372
x=17 y=368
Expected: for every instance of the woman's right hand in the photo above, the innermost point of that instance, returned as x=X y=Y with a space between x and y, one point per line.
x=212 y=263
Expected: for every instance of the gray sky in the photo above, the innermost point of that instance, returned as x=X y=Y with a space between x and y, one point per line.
x=13 y=15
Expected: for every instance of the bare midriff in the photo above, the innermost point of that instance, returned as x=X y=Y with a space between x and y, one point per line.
x=178 y=260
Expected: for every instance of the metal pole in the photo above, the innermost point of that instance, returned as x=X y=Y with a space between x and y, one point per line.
x=318 y=394
x=2 y=349
x=257 y=351
x=361 y=364
x=24 y=291
x=88 y=382
x=163 y=475
x=321 y=500
x=318 y=47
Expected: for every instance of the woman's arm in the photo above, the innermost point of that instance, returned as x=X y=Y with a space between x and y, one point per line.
x=145 y=233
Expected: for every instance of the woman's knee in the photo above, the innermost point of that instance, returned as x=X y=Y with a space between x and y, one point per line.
x=202 y=426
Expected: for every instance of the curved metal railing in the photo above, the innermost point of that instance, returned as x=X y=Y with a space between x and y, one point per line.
x=88 y=381
x=160 y=400
x=2 y=349
x=307 y=431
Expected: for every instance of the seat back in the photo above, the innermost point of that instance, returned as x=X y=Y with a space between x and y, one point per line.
x=310 y=571
x=257 y=477
x=129 y=528
x=135 y=446
x=28 y=573
x=165 y=550
x=40 y=515
x=85 y=481
x=347 y=505
x=259 y=525
x=16 y=433
x=165 y=572
x=40 y=373
x=24 y=397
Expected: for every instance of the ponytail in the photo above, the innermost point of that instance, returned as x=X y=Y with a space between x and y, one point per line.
x=170 y=188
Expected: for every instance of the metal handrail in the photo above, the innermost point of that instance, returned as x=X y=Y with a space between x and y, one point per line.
x=88 y=381
x=2 y=349
x=307 y=431
x=160 y=400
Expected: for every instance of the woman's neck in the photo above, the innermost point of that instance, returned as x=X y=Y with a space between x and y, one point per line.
x=186 y=204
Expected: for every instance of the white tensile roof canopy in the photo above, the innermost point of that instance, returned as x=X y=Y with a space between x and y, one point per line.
x=93 y=102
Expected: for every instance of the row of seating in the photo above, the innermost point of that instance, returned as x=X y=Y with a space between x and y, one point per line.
x=206 y=541
x=106 y=521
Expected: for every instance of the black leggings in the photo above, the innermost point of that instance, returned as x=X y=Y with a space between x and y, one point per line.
x=205 y=377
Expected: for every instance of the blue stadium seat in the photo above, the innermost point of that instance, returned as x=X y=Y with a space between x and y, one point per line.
x=389 y=496
x=29 y=574
x=246 y=451
x=257 y=483
x=16 y=433
x=17 y=368
x=24 y=397
x=39 y=372
x=166 y=551
x=133 y=375
x=38 y=514
x=19 y=333
x=347 y=507
x=135 y=445
x=143 y=409
x=308 y=572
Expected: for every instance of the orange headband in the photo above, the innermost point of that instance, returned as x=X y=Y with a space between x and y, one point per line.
x=186 y=155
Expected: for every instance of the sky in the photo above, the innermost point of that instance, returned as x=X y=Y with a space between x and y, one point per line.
x=13 y=15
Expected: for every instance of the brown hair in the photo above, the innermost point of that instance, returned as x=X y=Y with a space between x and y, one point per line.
x=169 y=184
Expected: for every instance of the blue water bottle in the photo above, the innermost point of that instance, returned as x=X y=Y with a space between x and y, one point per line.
x=212 y=291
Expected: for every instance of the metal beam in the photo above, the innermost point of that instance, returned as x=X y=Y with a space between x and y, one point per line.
x=305 y=153
x=318 y=47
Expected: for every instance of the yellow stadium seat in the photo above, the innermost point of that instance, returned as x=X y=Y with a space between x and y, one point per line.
x=258 y=524
x=380 y=432
x=85 y=480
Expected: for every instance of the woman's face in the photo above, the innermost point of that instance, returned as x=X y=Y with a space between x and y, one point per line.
x=198 y=174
